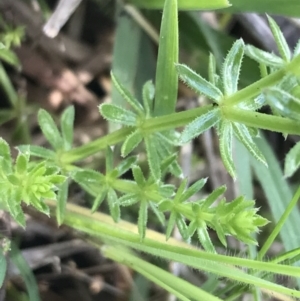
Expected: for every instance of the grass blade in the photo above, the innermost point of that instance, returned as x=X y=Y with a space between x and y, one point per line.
x=166 y=81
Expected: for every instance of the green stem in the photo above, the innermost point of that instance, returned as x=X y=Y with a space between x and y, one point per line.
x=131 y=187
x=270 y=80
x=152 y=125
x=101 y=225
x=179 y=287
x=261 y=121
x=279 y=225
x=175 y=120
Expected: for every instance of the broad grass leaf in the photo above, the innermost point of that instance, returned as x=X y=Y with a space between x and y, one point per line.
x=280 y=40
x=166 y=78
x=67 y=126
x=117 y=114
x=198 y=84
x=183 y=4
x=263 y=57
x=292 y=160
x=50 y=129
x=232 y=67
x=131 y=142
x=243 y=134
x=200 y=125
x=226 y=135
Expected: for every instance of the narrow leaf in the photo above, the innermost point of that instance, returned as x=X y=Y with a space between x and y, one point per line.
x=166 y=79
x=138 y=176
x=153 y=159
x=205 y=240
x=89 y=176
x=117 y=114
x=280 y=40
x=3 y=267
x=113 y=204
x=128 y=199
x=37 y=151
x=182 y=227
x=243 y=134
x=131 y=142
x=67 y=125
x=148 y=96
x=127 y=96
x=197 y=83
x=232 y=67
x=200 y=125
x=21 y=163
x=297 y=49
x=143 y=218
x=213 y=197
x=212 y=69
x=99 y=198
x=125 y=165
x=263 y=57
x=221 y=234
x=171 y=224
x=283 y=103
x=62 y=198
x=50 y=129
x=193 y=189
x=109 y=160
x=226 y=134
x=159 y=214
x=13 y=202
x=292 y=160
x=9 y=57
x=5 y=154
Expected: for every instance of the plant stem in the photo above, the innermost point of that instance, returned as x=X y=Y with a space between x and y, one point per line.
x=179 y=287
x=270 y=80
x=152 y=125
x=131 y=187
x=261 y=121
x=101 y=225
x=175 y=120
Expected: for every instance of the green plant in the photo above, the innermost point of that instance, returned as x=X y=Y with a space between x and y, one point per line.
x=153 y=122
